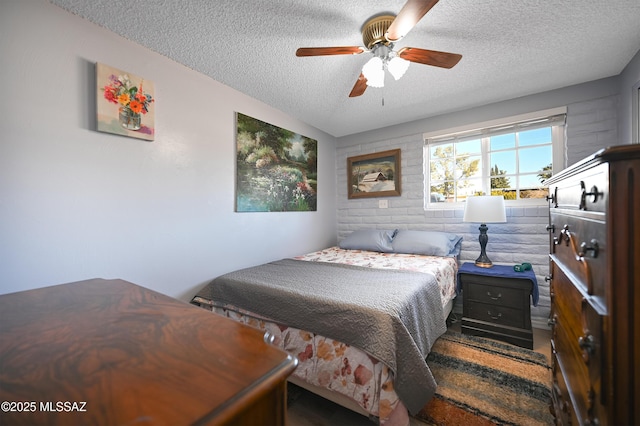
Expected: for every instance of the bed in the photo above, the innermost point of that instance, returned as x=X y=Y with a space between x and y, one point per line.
x=360 y=317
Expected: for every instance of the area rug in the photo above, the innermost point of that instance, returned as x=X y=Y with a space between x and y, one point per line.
x=484 y=382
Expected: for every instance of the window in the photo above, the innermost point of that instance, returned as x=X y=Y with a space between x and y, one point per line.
x=510 y=158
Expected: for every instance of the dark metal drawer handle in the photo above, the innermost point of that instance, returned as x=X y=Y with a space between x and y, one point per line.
x=494 y=316
x=594 y=248
x=565 y=236
x=594 y=194
x=492 y=297
x=553 y=198
x=588 y=345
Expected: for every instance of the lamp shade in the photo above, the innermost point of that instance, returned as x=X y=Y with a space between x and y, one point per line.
x=398 y=66
x=485 y=209
x=373 y=71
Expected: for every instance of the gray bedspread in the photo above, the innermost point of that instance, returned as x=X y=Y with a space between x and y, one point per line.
x=395 y=316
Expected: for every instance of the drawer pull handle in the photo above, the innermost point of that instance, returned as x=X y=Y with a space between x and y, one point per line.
x=565 y=235
x=553 y=198
x=495 y=317
x=551 y=228
x=587 y=344
x=494 y=297
x=593 y=193
x=594 y=248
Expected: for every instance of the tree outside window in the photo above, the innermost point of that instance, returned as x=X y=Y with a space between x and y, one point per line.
x=512 y=164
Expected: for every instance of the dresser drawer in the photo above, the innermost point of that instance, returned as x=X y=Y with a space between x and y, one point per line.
x=580 y=245
x=577 y=217
x=577 y=345
x=560 y=398
x=586 y=191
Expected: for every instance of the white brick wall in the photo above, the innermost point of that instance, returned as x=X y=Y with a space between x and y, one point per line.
x=590 y=126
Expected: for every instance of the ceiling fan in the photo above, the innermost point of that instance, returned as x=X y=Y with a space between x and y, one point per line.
x=379 y=35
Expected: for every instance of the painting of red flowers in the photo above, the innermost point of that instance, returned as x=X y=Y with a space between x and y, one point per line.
x=125 y=103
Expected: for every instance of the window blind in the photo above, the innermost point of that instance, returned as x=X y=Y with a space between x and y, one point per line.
x=530 y=124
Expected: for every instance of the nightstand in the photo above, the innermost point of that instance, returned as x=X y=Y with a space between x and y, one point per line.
x=496 y=303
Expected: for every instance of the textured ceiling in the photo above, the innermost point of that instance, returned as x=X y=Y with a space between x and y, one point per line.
x=509 y=48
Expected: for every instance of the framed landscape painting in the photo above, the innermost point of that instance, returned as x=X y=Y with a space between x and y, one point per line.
x=125 y=103
x=374 y=175
x=276 y=169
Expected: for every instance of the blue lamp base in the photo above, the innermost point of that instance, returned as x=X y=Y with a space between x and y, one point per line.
x=483 y=261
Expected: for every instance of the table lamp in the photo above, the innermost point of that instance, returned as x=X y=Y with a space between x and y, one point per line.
x=484 y=209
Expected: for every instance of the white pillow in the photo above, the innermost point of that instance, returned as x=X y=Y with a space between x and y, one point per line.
x=430 y=243
x=369 y=239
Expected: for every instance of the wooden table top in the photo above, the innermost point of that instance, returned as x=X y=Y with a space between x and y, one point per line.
x=111 y=352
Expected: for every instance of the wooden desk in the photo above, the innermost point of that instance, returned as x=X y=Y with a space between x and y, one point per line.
x=110 y=352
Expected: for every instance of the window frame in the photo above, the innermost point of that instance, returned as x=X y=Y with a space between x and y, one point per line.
x=635 y=112
x=558 y=137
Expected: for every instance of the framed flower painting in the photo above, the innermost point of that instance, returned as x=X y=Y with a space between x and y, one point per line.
x=125 y=103
x=277 y=169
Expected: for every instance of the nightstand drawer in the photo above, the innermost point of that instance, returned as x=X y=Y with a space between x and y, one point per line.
x=495 y=295
x=496 y=314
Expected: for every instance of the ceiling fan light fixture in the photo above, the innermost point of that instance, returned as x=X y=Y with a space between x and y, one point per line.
x=379 y=35
x=397 y=67
x=373 y=71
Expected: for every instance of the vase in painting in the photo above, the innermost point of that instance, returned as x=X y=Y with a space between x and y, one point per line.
x=130 y=120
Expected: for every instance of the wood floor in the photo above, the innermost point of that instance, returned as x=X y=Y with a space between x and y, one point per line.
x=312 y=410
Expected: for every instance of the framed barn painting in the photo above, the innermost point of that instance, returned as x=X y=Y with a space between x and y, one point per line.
x=125 y=103
x=276 y=169
x=374 y=175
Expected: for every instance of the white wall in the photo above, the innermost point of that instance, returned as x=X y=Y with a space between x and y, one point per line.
x=629 y=102
x=78 y=204
x=591 y=125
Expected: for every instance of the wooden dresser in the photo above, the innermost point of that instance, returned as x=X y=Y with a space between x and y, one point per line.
x=108 y=352
x=595 y=289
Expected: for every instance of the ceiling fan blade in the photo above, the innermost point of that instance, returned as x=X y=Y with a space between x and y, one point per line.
x=359 y=87
x=409 y=15
x=430 y=57
x=324 y=51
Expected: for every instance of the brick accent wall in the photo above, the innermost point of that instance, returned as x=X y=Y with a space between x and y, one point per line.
x=590 y=126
